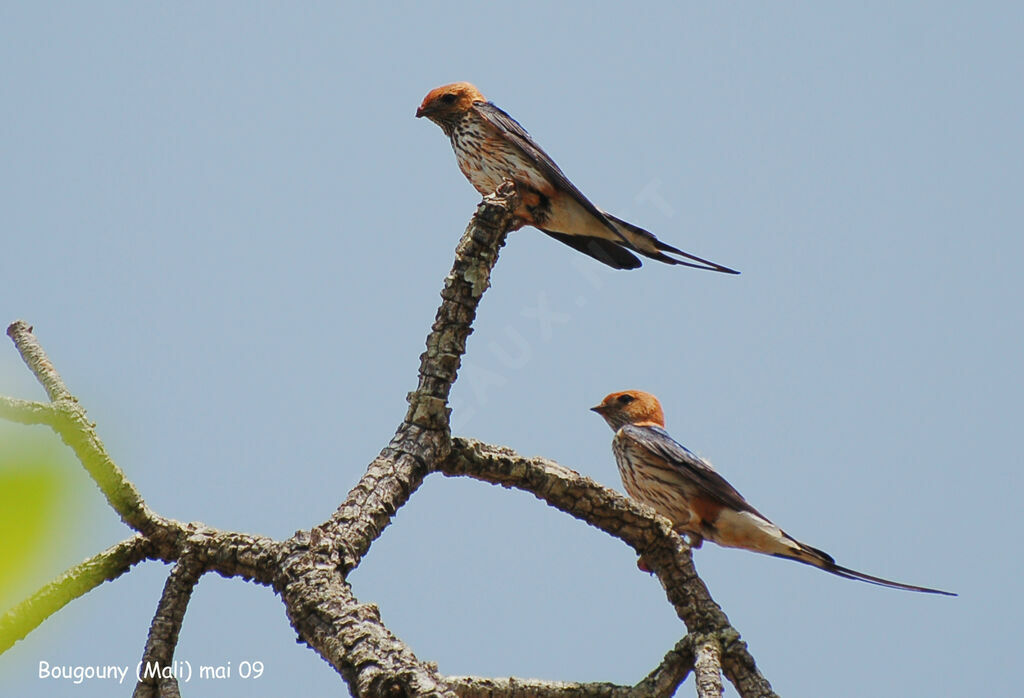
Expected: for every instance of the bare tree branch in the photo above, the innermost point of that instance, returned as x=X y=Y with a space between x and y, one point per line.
x=309 y=570
x=26 y=411
x=423 y=437
x=22 y=619
x=660 y=683
x=336 y=546
x=707 y=669
x=79 y=433
x=154 y=678
x=37 y=361
x=229 y=554
x=477 y=687
x=672 y=671
x=648 y=533
x=349 y=634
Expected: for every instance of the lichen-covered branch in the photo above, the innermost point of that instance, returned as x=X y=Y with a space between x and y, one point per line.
x=163 y=631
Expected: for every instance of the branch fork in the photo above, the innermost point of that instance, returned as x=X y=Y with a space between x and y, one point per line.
x=309 y=570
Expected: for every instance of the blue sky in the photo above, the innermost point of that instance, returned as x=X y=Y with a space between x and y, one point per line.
x=230 y=232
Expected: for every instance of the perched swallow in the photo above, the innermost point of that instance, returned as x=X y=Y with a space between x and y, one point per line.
x=492 y=147
x=663 y=474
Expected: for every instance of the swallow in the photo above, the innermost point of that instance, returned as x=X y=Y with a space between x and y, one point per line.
x=662 y=473
x=492 y=147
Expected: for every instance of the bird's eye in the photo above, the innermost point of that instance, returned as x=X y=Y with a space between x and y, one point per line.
x=448 y=98
x=625 y=399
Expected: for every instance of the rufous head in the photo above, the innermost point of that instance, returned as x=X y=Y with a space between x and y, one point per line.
x=631 y=407
x=446 y=104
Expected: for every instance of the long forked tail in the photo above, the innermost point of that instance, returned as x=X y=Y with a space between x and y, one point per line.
x=822 y=560
x=854 y=574
x=644 y=242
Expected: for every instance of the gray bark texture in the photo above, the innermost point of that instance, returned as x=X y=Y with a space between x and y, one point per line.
x=309 y=570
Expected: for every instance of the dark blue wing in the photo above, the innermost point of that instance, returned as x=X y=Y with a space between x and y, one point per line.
x=518 y=136
x=703 y=476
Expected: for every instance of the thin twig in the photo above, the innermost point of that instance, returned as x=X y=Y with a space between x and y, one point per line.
x=37 y=361
x=673 y=670
x=74 y=427
x=22 y=619
x=155 y=678
x=27 y=411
